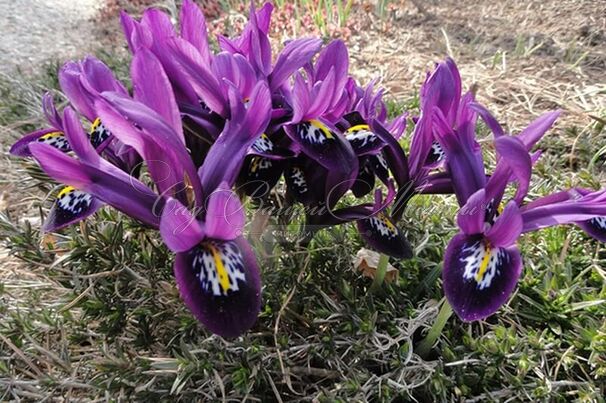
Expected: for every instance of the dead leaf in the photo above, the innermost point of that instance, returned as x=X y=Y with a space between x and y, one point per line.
x=367 y=261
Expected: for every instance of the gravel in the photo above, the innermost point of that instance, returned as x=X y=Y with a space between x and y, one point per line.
x=33 y=31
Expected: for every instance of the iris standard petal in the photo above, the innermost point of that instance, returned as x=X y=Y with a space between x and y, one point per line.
x=295 y=54
x=300 y=98
x=463 y=158
x=259 y=53
x=191 y=65
x=225 y=216
x=77 y=137
x=79 y=97
x=333 y=57
x=479 y=278
x=50 y=111
x=442 y=90
x=193 y=28
x=225 y=158
x=515 y=155
x=421 y=143
x=167 y=158
x=129 y=25
x=237 y=70
x=490 y=120
x=219 y=282
x=321 y=96
x=179 y=228
x=158 y=23
x=97 y=77
x=537 y=128
x=152 y=88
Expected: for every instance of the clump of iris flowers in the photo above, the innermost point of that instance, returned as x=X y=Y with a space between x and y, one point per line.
x=212 y=128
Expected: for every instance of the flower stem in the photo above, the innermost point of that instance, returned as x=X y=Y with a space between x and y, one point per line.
x=428 y=342
x=380 y=273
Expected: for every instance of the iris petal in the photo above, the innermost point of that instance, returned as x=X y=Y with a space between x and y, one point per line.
x=363 y=140
x=596 y=227
x=297 y=184
x=365 y=182
x=436 y=155
x=324 y=145
x=259 y=175
x=98 y=133
x=384 y=236
x=478 y=278
x=71 y=205
x=219 y=282
x=52 y=137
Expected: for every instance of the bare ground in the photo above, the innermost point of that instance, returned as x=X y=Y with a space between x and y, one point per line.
x=34 y=31
x=525 y=56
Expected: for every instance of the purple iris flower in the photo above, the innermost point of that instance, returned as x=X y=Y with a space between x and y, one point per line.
x=197 y=214
x=482 y=263
x=198 y=76
x=337 y=153
x=81 y=82
x=215 y=268
x=442 y=105
x=366 y=106
x=216 y=272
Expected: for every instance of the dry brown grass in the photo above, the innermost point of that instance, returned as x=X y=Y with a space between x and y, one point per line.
x=526 y=57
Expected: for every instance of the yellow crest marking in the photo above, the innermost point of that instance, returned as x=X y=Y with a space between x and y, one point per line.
x=221 y=271
x=254 y=164
x=95 y=125
x=66 y=190
x=484 y=264
x=51 y=135
x=357 y=128
x=385 y=220
x=322 y=127
x=500 y=208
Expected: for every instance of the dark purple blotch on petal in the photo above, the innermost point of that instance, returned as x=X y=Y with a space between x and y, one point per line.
x=381 y=234
x=477 y=285
x=225 y=297
x=71 y=206
x=259 y=175
x=596 y=227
